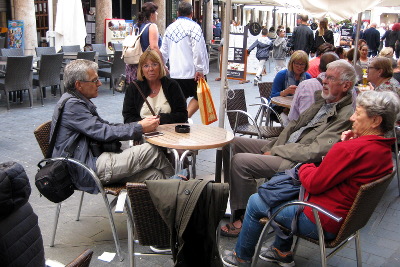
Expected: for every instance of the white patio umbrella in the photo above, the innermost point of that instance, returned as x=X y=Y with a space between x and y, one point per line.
x=70 y=26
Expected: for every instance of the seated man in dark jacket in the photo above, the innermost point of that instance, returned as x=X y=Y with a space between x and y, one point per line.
x=81 y=120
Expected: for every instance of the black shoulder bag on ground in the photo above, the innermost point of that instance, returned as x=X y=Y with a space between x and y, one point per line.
x=53 y=179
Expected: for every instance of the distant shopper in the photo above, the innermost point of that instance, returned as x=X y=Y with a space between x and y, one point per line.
x=372 y=36
x=322 y=35
x=184 y=47
x=264 y=45
x=303 y=37
x=279 y=50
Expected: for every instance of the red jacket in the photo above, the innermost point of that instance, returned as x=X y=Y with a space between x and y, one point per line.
x=348 y=165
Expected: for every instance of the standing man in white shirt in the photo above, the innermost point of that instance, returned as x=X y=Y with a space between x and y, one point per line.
x=184 y=47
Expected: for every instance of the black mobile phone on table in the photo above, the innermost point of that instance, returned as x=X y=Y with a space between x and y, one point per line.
x=152 y=134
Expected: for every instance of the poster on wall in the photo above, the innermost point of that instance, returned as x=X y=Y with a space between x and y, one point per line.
x=237 y=55
x=115 y=32
x=15 y=34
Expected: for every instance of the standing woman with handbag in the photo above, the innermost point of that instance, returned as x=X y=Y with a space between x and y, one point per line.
x=150 y=36
x=322 y=35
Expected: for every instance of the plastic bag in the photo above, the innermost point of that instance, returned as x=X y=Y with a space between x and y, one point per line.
x=206 y=103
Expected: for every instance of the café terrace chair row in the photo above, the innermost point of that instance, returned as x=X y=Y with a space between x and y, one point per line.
x=18 y=77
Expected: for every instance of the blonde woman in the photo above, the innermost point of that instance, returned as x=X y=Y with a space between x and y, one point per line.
x=322 y=35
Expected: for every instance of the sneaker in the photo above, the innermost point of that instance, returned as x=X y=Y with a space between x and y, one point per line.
x=160 y=249
x=273 y=254
x=231 y=260
x=256 y=80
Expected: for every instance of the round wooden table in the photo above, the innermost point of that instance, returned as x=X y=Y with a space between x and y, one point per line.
x=200 y=137
x=283 y=101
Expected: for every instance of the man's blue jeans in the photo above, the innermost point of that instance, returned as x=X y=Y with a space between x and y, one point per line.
x=251 y=228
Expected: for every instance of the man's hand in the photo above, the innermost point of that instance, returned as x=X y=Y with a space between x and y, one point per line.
x=150 y=124
x=198 y=75
x=268 y=153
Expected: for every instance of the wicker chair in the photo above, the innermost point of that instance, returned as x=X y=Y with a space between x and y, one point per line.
x=366 y=201
x=51 y=50
x=42 y=134
x=89 y=55
x=49 y=74
x=396 y=133
x=82 y=260
x=239 y=118
x=150 y=229
x=263 y=113
x=12 y=52
x=114 y=72
x=104 y=60
x=18 y=77
x=70 y=48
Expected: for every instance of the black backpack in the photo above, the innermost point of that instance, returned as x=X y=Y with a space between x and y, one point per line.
x=53 y=179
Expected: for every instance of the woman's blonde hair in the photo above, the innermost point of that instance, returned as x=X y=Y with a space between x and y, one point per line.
x=298 y=56
x=386 y=52
x=152 y=56
x=323 y=26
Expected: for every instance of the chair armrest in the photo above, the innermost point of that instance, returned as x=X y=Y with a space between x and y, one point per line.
x=267 y=106
x=2 y=71
x=248 y=116
x=105 y=61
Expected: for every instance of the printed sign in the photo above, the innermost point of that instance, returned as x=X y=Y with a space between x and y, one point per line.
x=16 y=34
x=237 y=54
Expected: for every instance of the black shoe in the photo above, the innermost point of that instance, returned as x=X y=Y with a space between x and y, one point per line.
x=273 y=254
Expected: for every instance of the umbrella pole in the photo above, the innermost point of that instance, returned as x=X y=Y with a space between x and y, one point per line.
x=224 y=85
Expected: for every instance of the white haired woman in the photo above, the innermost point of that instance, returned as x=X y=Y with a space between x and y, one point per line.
x=363 y=156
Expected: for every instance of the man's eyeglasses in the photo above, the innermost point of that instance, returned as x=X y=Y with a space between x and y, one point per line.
x=332 y=79
x=95 y=81
x=152 y=65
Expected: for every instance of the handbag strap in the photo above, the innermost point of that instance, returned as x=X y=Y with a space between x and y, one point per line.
x=70 y=149
x=145 y=99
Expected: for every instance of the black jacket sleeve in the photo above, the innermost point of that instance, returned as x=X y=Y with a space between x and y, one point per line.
x=133 y=103
x=176 y=100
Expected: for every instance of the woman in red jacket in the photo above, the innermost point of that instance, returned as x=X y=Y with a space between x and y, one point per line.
x=363 y=156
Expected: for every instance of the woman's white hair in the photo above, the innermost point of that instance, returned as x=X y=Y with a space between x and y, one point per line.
x=385 y=104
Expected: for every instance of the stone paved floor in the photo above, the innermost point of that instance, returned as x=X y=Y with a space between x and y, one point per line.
x=380 y=238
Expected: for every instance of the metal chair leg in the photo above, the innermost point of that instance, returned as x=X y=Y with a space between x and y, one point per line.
x=53 y=236
x=358 y=249
x=113 y=228
x=80 y=206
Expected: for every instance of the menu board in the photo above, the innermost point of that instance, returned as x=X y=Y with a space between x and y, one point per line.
x=115 y=32
x=237 y=55
x=15 y=34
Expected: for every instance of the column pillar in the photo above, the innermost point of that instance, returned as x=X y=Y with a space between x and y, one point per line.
x=25 y=10
x=161 y=19
x=209 y=21
x=103 y=11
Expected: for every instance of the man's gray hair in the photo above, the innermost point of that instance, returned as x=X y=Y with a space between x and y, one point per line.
x=385 y=104
x=345 y=69
x=77 y=70
x=185 y=9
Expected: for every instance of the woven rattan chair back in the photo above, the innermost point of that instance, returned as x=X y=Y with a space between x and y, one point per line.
x=42 y=134
x=50 y=67
x=236 y=100
x=51 y=50
x=70 y=48
x=89 y=55
x=265 y=89
x=2 y=42
x=12 y=52
x=150 y=228
x=100 y=48
x=82 y=260
x=366 y=201
x=117 y=46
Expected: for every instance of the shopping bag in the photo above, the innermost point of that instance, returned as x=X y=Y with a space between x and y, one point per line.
x=206 y=103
